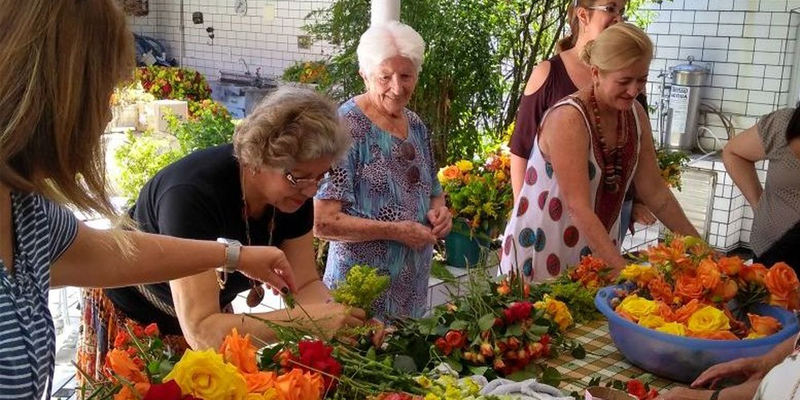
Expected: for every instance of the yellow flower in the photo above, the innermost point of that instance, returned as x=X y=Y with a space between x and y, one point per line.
x=204 y=374
x=500 y=175
x=556 y=311
x=431 y=396
x=637 y=307
x=271 y=394
x=708 y=319
x=755 y=335
x=464 y=165
x=652 y=321
x=673 y=328
x=641 y=274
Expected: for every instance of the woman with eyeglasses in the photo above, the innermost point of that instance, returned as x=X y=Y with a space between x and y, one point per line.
x=382 y=205
x=560 y=76
x=255 y=191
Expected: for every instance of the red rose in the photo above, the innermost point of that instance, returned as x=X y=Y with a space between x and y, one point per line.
x=316 y=356
x=442 y=345
x=151 y=330
x=164 y=391
x=167 y=89
x=138 y=331
x=121 y=340
x=636 y=388
x=517 y=311
x=455 y=339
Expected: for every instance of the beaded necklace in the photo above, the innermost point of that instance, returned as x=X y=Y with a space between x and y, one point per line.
x=612 y=159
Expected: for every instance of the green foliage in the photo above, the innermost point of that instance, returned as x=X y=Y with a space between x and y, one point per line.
x=478 y=58
x=139 y=158
x=308 y=72
x=143 y=155
x=361 y=287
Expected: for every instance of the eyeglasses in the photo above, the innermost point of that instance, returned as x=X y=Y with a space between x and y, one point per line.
x=611 y=9
x=303 y=183
x=408 y=152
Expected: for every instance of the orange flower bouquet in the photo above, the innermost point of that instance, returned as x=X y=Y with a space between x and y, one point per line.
x=141 y=371
x=682 y=289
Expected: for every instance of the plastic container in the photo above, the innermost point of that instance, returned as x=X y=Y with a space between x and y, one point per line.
x=461 y=250
x=681 y=358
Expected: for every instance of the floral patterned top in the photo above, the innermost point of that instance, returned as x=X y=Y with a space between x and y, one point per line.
x=384 y=178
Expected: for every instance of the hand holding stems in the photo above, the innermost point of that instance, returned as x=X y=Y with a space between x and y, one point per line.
x=268 y=265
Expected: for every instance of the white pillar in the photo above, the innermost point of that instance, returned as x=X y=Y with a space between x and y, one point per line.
x=385 y=11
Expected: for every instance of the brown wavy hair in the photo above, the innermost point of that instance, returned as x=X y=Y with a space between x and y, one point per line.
x=289 y=127
x=569 y=41
x=61 y=60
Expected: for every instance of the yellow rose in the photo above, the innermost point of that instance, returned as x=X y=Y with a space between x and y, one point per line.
x=204 y=374
x=641 y=274
x=556 y=311
x=271 y=394
x=708 y=319
x=637 y=307
x=651 y=321
x=755 y=335
x=673 y=328
x=464 y=165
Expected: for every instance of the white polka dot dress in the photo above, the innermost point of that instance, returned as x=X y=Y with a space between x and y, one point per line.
x=541 y=238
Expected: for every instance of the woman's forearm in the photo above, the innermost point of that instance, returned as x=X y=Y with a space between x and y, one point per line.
x=345 y=228
x=211 y=331
x=96 y=259
x=667 y=209
x=597 y=236
x=743 y=173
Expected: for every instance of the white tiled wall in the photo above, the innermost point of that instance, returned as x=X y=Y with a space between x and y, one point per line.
x=747 y=44
x=749 y=47
x=268 y=44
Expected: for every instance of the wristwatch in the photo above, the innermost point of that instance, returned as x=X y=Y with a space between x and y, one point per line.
x=233 y=249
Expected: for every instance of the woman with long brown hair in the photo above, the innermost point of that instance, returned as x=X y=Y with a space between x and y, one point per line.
x=61 y=61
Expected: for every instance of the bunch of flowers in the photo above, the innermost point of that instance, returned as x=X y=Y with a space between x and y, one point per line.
x=132 y=93
x=671 y=163
x=684 y=290
x=479 y=194
x=496 y=328
x=230 y=373
x=308 y=72
x=633 y=387
x=361 y=287
x=173 y=83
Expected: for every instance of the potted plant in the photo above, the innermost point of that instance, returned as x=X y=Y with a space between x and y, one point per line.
x=480 y=198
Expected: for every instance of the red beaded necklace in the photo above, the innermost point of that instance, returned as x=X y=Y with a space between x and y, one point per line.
x=612 y=160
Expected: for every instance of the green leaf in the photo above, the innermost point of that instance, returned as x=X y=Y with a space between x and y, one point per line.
x=486 y=322
x=578 y=352
x=551 y=377
x=538 y=329
x=475 y=370
x=523 y=375
x=514 y=330
x=405 y=364
x=427 y=325
x=371 y=353
x=459 y=325
x=455 y=364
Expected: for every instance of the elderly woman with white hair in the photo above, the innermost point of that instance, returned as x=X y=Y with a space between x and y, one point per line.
x=382 y=205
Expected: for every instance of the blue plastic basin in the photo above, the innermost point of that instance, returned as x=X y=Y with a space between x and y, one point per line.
x=681 y=358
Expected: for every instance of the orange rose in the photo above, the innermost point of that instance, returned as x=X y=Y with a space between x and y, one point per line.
x=260 y=382
x=665 y=312
x=451 y=172
x=782 y=283
x=240 y=352
x=127 y=394
x=730 y=265
x=682 y=314
x=297 y=385
x=708 y=274
x=688 y=286
x=725 y=291
x=755 y=273
x=716 y=335
x=123 y=366
x=660 y=290
x=763 y=325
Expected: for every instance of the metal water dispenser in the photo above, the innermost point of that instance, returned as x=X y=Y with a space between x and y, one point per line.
x=683 y=104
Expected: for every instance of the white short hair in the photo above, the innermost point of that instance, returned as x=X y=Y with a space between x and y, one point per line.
x=388 y=40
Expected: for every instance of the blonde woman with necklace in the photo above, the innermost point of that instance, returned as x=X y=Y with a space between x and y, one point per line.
x=593 y=145
x=255 y=191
